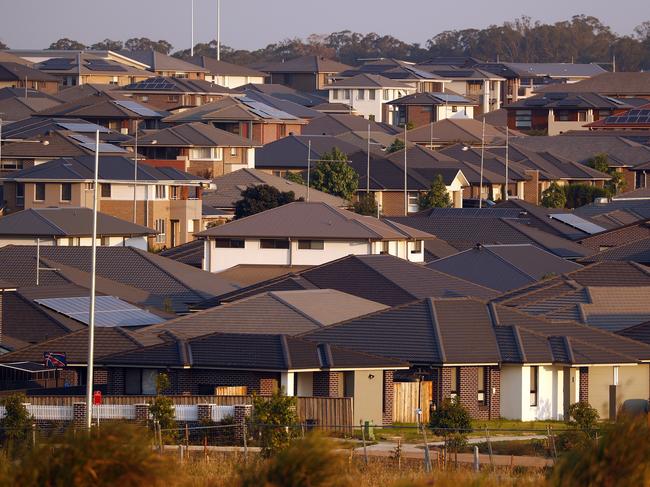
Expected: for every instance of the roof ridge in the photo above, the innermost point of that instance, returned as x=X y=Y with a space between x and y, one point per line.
x=433 y=315
x=52 y=224
x=274 y=295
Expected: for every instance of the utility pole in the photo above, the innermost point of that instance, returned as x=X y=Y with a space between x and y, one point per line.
x=507 y=146
x=368 y=164
x=91 y=316
x=480 y=193
x=308 y=168
x=135 y=172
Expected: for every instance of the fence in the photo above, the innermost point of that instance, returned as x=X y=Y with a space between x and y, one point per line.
x=326 y=412
x=406 y=401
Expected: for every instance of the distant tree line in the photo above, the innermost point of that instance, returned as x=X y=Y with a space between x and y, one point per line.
x=582 y=39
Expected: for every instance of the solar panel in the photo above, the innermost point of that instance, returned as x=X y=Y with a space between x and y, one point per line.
x=89 y=144
x=451 y=98
x=109 y=311
x=153 y=84
x=101 y=65
x=57 y=63
x=577 y=222
x=535 y=103
x=137 y=108
x=264 y=110
x=83 y=127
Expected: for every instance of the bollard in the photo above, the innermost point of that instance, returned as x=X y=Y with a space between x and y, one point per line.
x=363 y=438
x=476 y=460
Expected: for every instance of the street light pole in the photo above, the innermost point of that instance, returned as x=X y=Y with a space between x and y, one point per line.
x=218 y=30
x=91 y=320
x=507 y=178
x=480 y=194
x=135 y=173
x=308 y=167
x=406 y=196
x=192 y=27
x=368 y=164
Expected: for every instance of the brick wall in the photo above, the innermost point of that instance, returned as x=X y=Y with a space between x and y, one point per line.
x=328 y=384
x=419 y=115
x=584 y=385
x=388 y=397
x=531 y=187
x=469 y=390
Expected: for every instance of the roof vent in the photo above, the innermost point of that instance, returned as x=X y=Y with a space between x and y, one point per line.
x=479 y=246
x=601 y=201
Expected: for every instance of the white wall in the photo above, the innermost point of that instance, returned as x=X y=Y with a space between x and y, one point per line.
x=515 y=393
x=368 y=107
x=234 y=81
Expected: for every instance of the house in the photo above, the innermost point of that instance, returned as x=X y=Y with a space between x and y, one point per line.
x=175 y=94
x=386 y=182
x=282 y=103
x=305 y=73
x=420 y=109
x=295 y=152
x=228 y=188
x=283 y=92
x=615 y=213
x=166 y=199
x=73 y=68
x=524 y=79
x=227 y=74
x=499 y=362
x=629 y=242
x=59 y=142
x=18 y=103
x=464 y=228
x=111 y=110
x=70 y=226
x=619 y=84
x=306 y=233
x=451 y=131
x=331 y=124
x=382 y=278
x=162 y=64
x=15 y=75
x=243 y=116
x=197 y=148
x=558 y=112
x=470 y=82
x=368 y=95
x=503 y=267
x=144 y=279
x=608 y=295
x=634 y=119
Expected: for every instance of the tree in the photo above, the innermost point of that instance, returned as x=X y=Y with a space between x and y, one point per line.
x=108 y=45
x=273 y=418
x=66 y=44
x=617 y=184
x=396 y=146
x=452 y=421
x=437 y=196
x=583 y=416
x=366 y=205
x=3 y=45
x=257 y=199
x=554 y=197
x=161 y=409
x=146 y=44
x=16 y=424
x=578 y=195
x=334 y=175
x=294 y=177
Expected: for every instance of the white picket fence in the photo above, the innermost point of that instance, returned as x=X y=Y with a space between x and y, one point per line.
x=182 y=412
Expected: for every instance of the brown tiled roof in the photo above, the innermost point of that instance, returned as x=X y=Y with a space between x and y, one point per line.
x=304 y=64
x=639 y=230
x=248 y=274
x=381 y=278
x=11 y=71
x=635 y=251
x=313 y=220
x=614 y=84
x=222 y=68
x=195 y=134
x=369 y=81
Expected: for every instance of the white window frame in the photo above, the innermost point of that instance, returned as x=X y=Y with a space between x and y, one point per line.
x=161 y=192
x=413 y=204
x=161 y=230
x=361 y=94
x=372 y=94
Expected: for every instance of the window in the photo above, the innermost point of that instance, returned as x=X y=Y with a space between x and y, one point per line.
x=173 y=98
x=346 y=94
x=311 y=244
x=454 y=108
x=66 y=192
x=454 y=390
x=39 y=192
x=523 y=119
x=413 y=205
x=105 y=189
x=161 y=192
x=175 y=192
x=201 y=153
x=615 y=378
x=233 y=151
x=480 y=385
x=385 y=247
x=562 y=115
x=229 y=243
x=20 y=193
x=335 y=94
x=372 y=94
x=362 y=94
x=371 y=118
x=534 y=375
x=417 y=247
x=160 y=230
x=270 y=243
x=582 y=116
x=386 y=94
x=140 y=381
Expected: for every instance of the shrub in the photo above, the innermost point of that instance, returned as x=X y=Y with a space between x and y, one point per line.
x=311 y=461
x=451 y=421
x=16 y=424
x=366 y=205
x=620 y=458
x=272 y=417
x=554 y=196
x=294 y=177
x=578 y=195
x=161 y=409
x=583 y=416
x=117 y=454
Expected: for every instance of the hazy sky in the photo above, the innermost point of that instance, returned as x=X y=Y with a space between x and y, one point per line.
x=255 y=23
